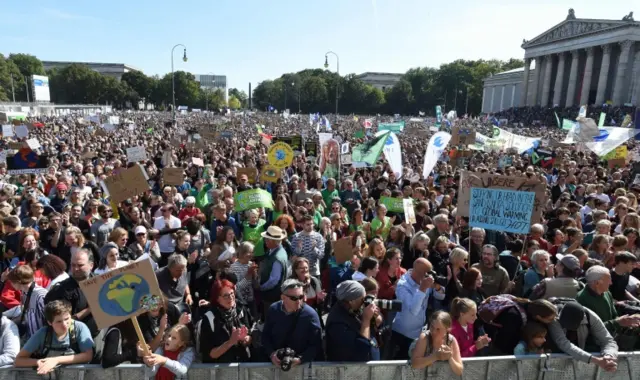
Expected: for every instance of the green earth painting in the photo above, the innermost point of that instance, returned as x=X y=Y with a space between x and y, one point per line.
x=121 y=295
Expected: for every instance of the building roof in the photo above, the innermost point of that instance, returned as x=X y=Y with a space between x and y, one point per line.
x=94 y=64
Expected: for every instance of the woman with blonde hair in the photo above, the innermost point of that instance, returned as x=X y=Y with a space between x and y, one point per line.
x=73 y=241
x=599 y=248
x=435 y=343
x=418 y=247
x=120 y=237
x=376 y=249
x=458 y=261
x=630 y=220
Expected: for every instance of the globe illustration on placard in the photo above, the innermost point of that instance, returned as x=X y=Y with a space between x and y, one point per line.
x=280 y=155
x=122 y=295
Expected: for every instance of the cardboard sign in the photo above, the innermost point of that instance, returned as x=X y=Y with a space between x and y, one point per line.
x=136 y=154
x=7 y=131
x=617 y=163
x=311 y=149
x=270 y=174
x=26 y=161
x=251 y=173
x=127 y=184
x=409 y=212
x=34 y=144
x=501 y=210
x=173 y=176
x=345 y=159
x=122 y=293
x=469 y=180
x=342 y=250
x=15 y=145
x=21 y=131
x=197 y=161
x=462 y=136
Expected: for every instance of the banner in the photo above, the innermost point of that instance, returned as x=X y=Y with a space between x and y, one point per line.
x=504 y=140
x=438 y=116
x=392 y=127
x=393 y=204
x=370 y=150
x=250 y=199
x=330 y=159
x=501 y=210
x=469 y=180
x=393 y=152
x=26 y=161
x=280 y=155
x=435 y=148
x=122 y=293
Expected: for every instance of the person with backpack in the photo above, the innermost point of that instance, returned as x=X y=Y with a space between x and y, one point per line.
x=118 y=345
x=564 y=284
x=31 y=317
x=63 y=342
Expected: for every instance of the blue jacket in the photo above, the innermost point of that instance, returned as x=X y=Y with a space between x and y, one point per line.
x=231 y=222
x=413 y=317
x=344 y=339
x=305 y=339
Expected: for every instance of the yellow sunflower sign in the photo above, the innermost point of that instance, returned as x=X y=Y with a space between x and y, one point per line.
x=280 y=155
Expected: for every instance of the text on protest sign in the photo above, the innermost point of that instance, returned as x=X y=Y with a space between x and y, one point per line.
x=393 y=204
x=173 y=176
x=122 y=293
x=501 y=210
x=136 y=154
x=249 y=199
x=126 y=184
x=469 y=180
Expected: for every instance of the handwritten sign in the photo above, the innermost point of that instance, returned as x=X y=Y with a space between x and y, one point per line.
x=501 y=210
x=251 y=173
x=136 y=154
x=173 y=176
x=7 y=130
x=409 y=212
x=122 y=293
x=469 y=180
x=462 y=136
x=126 y=184
x=33 y=144
x=197 y=161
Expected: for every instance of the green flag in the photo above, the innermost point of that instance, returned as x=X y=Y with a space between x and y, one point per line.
x=370 y=150
x=359 y=134
x=256 y=198
x=393 y=204
x=602 y=119
x=150 y=130
x=557 y=120
x=567 y=125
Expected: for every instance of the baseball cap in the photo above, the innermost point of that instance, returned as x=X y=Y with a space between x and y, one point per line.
x=571 y=316
x=568 y=261
x=140 y=230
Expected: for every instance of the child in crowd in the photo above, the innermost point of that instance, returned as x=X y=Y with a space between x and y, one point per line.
x=534 y=337
x=173 y=359
x=464 y=313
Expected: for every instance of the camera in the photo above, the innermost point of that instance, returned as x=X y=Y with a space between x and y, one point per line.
x=440 y=280
x=391 y=305
x=286 y=356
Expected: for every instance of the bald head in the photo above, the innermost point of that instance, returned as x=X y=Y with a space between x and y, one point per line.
x=421 y=267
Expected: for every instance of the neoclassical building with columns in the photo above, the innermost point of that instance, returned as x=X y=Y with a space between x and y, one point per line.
x=579 y=61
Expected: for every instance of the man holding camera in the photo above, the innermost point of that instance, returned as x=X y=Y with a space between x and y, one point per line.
x=348 y=330
x=292 y=333
x=414 y=290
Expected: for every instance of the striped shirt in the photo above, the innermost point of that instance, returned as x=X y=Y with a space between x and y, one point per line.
x=312 y=249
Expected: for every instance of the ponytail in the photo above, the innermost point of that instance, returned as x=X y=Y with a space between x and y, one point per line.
x=460 y=306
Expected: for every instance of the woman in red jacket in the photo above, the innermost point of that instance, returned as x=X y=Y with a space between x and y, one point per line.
x=464 y=314
x=389 y=274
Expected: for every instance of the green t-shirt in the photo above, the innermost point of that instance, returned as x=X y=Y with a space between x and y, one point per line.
x=377 y=223
x=327 y=196
x=252 y=234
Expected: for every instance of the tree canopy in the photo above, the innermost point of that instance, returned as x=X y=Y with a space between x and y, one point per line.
x=456 y=85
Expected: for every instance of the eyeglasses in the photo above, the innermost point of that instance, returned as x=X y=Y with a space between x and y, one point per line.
x=294 y=298
x=228 y=296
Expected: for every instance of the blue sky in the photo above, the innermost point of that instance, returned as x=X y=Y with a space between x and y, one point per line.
x=251 y=40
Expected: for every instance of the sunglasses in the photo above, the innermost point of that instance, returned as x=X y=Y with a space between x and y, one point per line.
x=294 y=298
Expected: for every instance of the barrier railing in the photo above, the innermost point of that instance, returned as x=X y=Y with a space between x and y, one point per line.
x=532 y=367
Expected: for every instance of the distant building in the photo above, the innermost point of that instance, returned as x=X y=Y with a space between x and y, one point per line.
x=382 y=81
x=110 y=69
x=213 y=82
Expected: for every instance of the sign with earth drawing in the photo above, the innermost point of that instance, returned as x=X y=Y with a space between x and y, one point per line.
x=122 y=293
x=280 y=155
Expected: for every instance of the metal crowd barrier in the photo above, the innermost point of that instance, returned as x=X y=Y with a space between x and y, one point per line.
x=533 y=367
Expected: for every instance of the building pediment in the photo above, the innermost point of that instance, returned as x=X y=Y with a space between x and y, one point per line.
x=577 y=28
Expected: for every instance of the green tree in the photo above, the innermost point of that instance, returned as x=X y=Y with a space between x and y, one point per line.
x=140 y=83
x=240 y=95
x=11 y=81
x=234 y=103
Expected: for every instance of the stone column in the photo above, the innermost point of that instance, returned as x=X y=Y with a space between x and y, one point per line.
x=604 y=74
x=623 y=63
x=586 y=81
x=546 y=84
x=536 y=82
x=501 y=99
x=557 y=90
x=513 y=95
x=525 y=84
x=573 y=78
x=493 y=92
x=484 y=98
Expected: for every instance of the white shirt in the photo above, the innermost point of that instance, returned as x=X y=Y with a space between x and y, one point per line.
x=119 y=264
x=165 y=242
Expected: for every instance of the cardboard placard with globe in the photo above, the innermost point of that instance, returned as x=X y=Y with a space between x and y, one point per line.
x=122 y=293
x=280 y=155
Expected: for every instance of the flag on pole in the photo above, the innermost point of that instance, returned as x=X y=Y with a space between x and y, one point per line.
x=437 y=144
x=370 y=150
x=602 y=119
x=557 y=120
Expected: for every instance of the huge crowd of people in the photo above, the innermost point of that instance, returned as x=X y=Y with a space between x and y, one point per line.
x=265 y=285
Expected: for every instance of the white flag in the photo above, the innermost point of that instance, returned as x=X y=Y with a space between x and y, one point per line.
x=437 y=145
x=392 y=152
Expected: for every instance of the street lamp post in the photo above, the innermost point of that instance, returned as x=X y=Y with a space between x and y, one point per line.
x=326 y=66
x=173 y=81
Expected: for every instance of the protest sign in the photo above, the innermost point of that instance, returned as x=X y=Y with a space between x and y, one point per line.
x=462 y=136
x=21 y=131
x=311 y=149
x=33 y=144
x=251 y=173
x=345 y=159
x=270 y=174
x=409 y=212
x=469 y=180
x=280 y=155
x=122 y=293
x=342 y=250
x=505 y=161
x=173 y=176
x=501 y=210
x=295 y=142
x=249 y=199
x=197 y=161
x=136 y=154
x=616 y=163
x=393 y=127
x=7 y=131
x=393 y=204
x=126 y=184
x=26 y=161
x=619 y=152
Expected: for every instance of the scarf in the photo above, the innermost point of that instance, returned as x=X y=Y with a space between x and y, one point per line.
x=163 y=372
x=229 y=318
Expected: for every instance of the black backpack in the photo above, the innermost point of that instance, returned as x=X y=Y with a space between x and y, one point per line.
x=48 y=342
